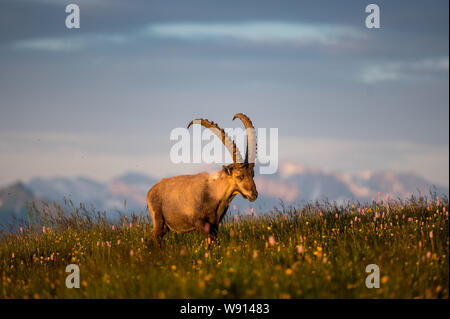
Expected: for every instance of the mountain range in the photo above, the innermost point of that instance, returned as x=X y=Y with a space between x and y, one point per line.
x=293 y=183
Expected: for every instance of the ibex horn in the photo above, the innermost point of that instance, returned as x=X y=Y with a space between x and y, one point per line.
x=220 y=133
x=250 y=155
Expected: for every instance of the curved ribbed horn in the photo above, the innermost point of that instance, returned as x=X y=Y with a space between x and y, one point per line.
x=250 y=155
x=220 y=133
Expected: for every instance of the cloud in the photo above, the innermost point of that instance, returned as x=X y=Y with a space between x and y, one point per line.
x=394 y=71
x=259 y=31
x=103 y=156
x=254 y=32
x=69 y=43
x=24 y=155
x=51 y=44
x=356 y=155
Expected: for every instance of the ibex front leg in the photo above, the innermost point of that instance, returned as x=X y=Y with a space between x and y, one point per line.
x=210 y=230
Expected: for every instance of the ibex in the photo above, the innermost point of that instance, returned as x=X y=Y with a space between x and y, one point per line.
x=199 y=202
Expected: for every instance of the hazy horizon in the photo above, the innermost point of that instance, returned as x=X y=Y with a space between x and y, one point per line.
x=102 y=100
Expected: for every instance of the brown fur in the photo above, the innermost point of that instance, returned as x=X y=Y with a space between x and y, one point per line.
x=198 y=202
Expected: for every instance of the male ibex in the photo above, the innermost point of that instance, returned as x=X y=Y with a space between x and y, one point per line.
x=199 y=202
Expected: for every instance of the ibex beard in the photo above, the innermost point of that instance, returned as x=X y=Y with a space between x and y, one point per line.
x=199 y=202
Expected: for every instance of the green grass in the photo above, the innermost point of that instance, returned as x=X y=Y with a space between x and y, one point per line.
x=314 y=251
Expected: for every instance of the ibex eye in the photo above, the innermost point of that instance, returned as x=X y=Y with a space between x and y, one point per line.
x=241 y=177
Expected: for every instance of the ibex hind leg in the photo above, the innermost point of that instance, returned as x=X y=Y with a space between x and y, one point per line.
x=159 y=226
x=159 y=230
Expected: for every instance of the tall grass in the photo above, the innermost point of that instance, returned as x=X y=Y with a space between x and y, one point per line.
x=319 y=250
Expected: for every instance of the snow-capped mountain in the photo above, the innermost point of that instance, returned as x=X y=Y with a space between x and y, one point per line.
x=293 y=183
x=124 y=193
x=13 y=202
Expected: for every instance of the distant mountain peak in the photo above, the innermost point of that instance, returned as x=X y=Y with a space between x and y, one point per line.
x=13 y=200
x=294 y=183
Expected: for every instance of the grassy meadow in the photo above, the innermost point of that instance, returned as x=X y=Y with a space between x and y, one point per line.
x=318 y=250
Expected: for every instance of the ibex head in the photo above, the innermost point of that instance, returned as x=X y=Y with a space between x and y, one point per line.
x=241 y=172
x=241 y=176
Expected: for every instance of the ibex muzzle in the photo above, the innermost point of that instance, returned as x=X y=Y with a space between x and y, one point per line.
x=199 y=202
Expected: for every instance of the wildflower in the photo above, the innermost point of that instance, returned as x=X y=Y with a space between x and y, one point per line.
x=51 y=257
x=429 y=254
x=289 y=271
x=118 y=242
x=300 y=249
x=431 y=234
x=21 y=229
x=252 y=210
x=437 y=201
x=131 y=225
x=271 y=240
x=12 y=255
x=206 y=255
x=142 y=240
x=112 y=227
x=131 y=253
x=43 y=229
x=255 y=254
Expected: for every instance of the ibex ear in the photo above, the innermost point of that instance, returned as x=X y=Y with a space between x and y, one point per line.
x=227 y=169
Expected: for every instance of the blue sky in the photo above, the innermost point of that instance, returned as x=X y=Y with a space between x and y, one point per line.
x=103 y=99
